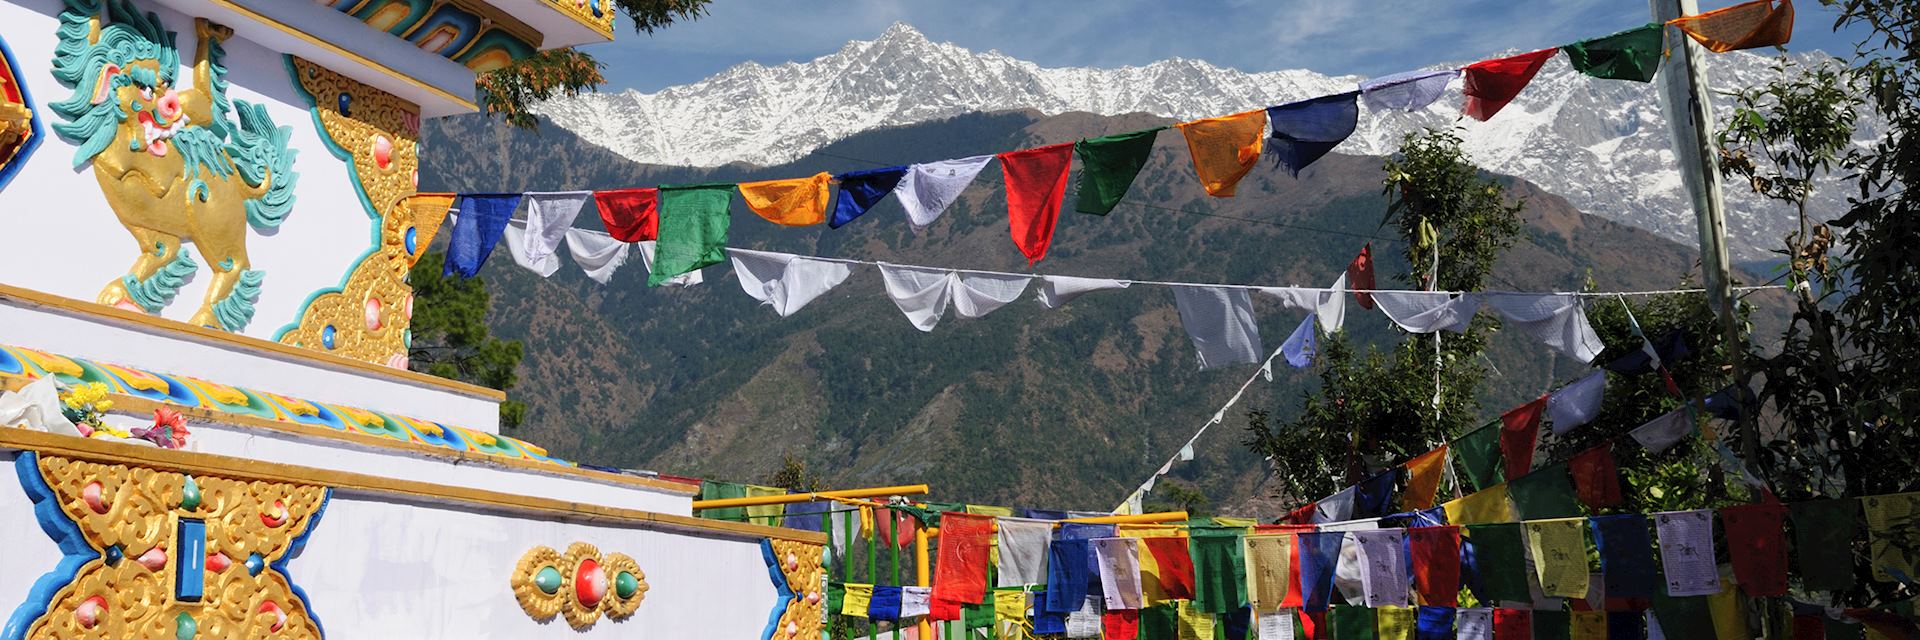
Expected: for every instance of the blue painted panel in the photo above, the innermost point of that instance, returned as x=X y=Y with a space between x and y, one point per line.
x=190 y=574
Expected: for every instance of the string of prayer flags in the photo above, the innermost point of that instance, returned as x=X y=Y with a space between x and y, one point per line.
x=549 y=215
x=1056 y=291
x=1757 y=541
x=1218 y=569
x=1559 y=549
x=1173 y=567
x=1225 y=149
x=929 y=188
x=1119 y=562
x=1577 y=403
x=1023 y=551
x=1360 y=277
x=1626 y=554
x=1108 y=166
x=1394 y=622
x=1686 y=552
x=785 y=281
x=1120 y=624
x=1660 y=434
x=1220 y=322
x=1491 y=84
x=1305 y=130
x=693 y=229
x=1891 y=521
x=960 y=569
x=1427 y=311
x=630 y=215
x=1352 y=622
x=1319 y=554
x=923 y=294
x=1481 y=507
x=1269 y=571
x=1519 y=433
x=1423 y=479
x=1499 y=562
x=1036 y=182
x=792 y=202
x=646 y=250
x=1761 y=23
x=1303 y=344
x=1633 y=54
x=1823 y=533
x=1384 y=576
x=1544 y=494
x=1557 y=320
x=1595 y=478
x=1407 y=90
x=1436 y=564
x=1474 y=623
x=861 y=190
x=1434 y=623
x=1588 y=625
x=483 y=219
x=1512 y=624
x=1479 y=455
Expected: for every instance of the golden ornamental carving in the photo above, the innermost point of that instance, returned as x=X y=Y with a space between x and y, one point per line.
x=801 y=563
x=135 y=522
x=580 y=585
x=377 y=133
x=593 y=13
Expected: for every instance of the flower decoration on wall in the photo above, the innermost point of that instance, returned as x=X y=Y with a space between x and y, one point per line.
x=169 y=429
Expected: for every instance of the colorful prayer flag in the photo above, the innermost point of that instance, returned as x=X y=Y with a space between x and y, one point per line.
x=1108 y=166
x=630 y=215
x=1633 y=54
x=1372 y=497
x=1589 y=625
x=1225 y=148
x=793 y=202
x=1823 y=533
x=693 y=229
x=1519 y=432
x=1498 y=572
x=1423 y=479
x=1174 y=567
x=1036 y=181
x=1407 y=90
x=857 y=601
x=1544 y=494
x=960 y=572
x=929 y=188
x=1270 y=574
x=1686 y=552
x=1305 y=130
x=1479 y=454
x=1352 y=623
x=1760 y=23
x=1360 y=276
x=483 y=219
x=1218 y=569
x=1559 y=556
x=1891 y=523
x=1757 y=540
x=1436 y=564
x=1626 y=555
x=1434 y=623
x=1303 y=344
x=1195 y=624
x=1481 y=507
x=1595 y=478
x=1120 y=624
x=1491 y=84
x=1319 y=554
x=1394 y=623
x=1512 y=624
x=860 y=190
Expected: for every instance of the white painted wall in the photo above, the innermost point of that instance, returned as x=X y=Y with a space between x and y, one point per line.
x=62 y=238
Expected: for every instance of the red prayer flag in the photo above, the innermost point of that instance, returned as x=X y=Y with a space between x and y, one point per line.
x=939 y=609
x=1176 y=566
x=1436 y=564
x=1519 y=430
x=1757 y=539
x=1512 y=624
x=1809 y=627
x=1313 y=624
x=1302 y=515
x=630 y=215
x=1360 y=276
x=1491 y=84
x=1120 y=624
x=1036 y=181
x=903 y=528
x=1595 y=478
x=960 y=571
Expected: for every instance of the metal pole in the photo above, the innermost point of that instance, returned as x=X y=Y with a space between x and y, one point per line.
x=1683 y=94
x=923 y=577
x=876 y=492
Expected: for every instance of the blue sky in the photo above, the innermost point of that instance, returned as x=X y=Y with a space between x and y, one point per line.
x=1365 y=37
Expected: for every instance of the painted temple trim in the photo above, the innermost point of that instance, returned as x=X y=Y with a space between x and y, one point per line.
x=103 y=451
x=269 y=21
x=237 y=341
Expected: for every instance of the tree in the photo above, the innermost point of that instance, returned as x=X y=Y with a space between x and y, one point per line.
x=511 y=91
x=450 y=337
x=793 y=475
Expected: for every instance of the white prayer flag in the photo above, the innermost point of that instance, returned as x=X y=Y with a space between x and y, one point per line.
x=599 y=254
x=1220 y=322
x=1686 y=552
x=1059 y=290
x=924 y=294
x=1023 y=551
x=785 y=281
x=1577 y=404
x=927 y=189
x=1660 y=434
x=1119 y=560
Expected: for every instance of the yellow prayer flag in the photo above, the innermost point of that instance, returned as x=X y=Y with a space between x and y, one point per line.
x=984 y=510
x=1194 y=623
x=1589 y=625
x=1729 y=617
x=867 y=523
x=1891 y=524
x=767 y=514
x=1149 y=567
x=1560 y=556
x=1235 y=523
x=858 y=599
x=1394 y=623
x=427 y=211
x=1488 y=506
x=1269 y=561
x=1423 y=479
x=1010 y=614
x=795 y=202
x=1225 y=149
x=1742 y=26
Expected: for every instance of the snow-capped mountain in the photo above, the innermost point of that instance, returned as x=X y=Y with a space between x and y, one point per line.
x=1602 y=144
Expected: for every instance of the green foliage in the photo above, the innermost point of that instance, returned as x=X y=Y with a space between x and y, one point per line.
x=450 y=336
x=510 y=91
x=793 y=475
x=1173 y=495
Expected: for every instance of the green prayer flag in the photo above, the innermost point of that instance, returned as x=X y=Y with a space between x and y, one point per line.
x=1479 y=454
x=1107 y=168
x=1558 y=625
x=716 y=490
x=1219 y=569
x=1545 y=494
x=978 y=616
x=1682 y=617
x=836 y=597
x=1633 y=54
x=1500 y=562
x=693 y=229
x=1351 y=622
x=1160 y=622
x=1823 y=533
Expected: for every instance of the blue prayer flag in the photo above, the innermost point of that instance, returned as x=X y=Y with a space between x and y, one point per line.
x=1304 y=344
x=1068 y=575
x=483 y=218
x=885 y=605
x=806 y=516
x=1306 y=130
x=1049 y=622
x=1434 y=623
x=860 y=190
x=1626 y=554
x=1374 y=494
x=1626 y=625
x=1319 y=552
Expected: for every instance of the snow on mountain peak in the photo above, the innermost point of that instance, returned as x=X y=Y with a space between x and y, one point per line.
x=1602 y=144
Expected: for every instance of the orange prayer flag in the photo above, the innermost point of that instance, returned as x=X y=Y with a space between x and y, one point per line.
x=795 y=202
x=1750 y=25
x=1224 y=149
x=428 y=211
x=1423 y=479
